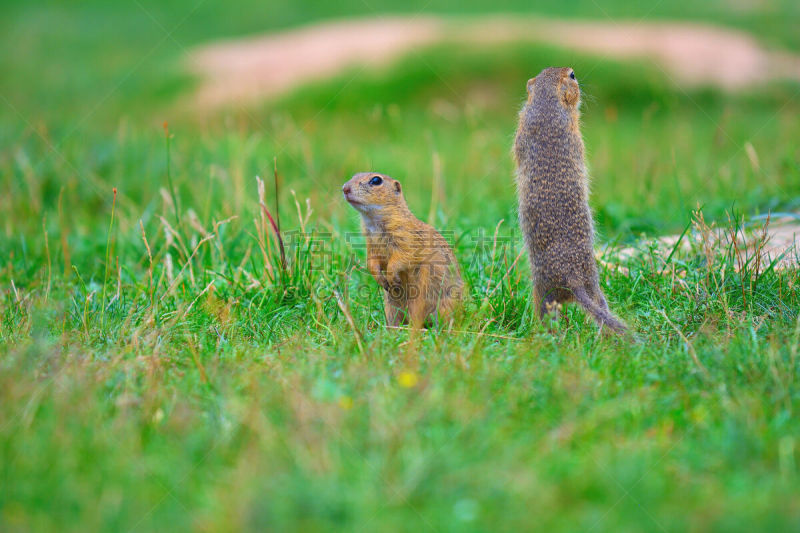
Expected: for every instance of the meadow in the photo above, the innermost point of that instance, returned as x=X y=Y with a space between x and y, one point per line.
x=161 y=367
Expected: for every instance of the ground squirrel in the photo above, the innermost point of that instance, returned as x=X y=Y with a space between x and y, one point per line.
x=553 y=190
x=408 y=258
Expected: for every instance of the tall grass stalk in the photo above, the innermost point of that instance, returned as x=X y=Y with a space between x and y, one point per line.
x=108 y=258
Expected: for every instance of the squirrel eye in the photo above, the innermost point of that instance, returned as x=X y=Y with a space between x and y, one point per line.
x=572 y=74
x=375 y=181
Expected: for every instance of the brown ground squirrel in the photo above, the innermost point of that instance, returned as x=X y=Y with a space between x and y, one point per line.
x=553 y=190
x=408 y=258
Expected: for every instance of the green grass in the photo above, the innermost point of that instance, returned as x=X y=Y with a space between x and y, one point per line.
x=214 y=391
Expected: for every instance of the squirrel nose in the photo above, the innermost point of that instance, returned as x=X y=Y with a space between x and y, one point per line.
x=346 y=189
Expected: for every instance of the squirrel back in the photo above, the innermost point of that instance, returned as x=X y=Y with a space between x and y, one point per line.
x=553 y=191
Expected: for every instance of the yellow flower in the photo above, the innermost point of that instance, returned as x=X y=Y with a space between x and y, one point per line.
x=699 y=415
x=345 y=402
x=407 y=379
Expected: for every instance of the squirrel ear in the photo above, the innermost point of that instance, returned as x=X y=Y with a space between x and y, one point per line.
x=530 y=84
x=397 y=186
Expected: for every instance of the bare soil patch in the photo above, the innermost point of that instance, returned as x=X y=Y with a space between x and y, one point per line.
x=758 y=244
x=255 y=68
x=251 y=69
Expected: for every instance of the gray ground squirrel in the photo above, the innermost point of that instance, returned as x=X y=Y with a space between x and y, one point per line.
x=408 y=258
x=553 y=190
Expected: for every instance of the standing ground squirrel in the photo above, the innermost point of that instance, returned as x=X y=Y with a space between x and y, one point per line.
x=408 y=258
x=553 y=190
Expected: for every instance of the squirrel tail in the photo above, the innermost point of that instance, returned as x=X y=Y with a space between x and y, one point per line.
x=600 y=313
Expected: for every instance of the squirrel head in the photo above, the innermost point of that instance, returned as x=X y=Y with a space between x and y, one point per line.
x=370 y=193
x=555 y=86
